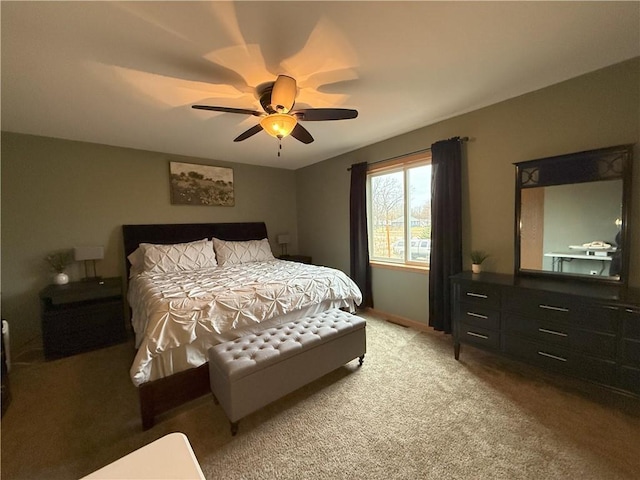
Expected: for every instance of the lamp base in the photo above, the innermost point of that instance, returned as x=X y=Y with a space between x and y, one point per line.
x=95 y=275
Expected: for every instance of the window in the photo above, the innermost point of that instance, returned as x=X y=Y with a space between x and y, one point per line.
x=399 y=211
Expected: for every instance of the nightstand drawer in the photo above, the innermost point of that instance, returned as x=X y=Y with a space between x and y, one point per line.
x=82 y=316
x=84 y=291
x=82 y=329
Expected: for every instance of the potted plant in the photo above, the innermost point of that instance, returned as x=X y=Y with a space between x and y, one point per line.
x=59 y=261
x=477 y=257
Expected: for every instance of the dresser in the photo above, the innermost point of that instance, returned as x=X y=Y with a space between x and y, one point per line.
x=579 y=329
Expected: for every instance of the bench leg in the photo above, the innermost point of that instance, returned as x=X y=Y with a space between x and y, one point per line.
x=361 y=359
x=234 y=428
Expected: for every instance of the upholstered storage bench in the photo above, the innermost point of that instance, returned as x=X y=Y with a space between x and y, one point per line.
x=252 y=371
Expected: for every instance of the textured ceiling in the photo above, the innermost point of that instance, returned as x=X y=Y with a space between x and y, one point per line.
x=126 y=74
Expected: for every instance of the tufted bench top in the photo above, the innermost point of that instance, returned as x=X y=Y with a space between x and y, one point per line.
x=253 y=352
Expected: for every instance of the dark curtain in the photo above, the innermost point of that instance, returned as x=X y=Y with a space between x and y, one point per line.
x=446 y=229
x=360 y=268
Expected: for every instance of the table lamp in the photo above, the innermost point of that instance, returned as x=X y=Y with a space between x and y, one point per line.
x=89 y=255
x=283 y=240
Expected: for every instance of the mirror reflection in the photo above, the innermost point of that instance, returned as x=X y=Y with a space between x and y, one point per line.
x=572 y=228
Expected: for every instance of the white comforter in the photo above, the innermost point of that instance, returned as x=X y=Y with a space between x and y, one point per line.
x=172 y=310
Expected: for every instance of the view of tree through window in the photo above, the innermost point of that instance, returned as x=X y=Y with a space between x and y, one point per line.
x=400 y=214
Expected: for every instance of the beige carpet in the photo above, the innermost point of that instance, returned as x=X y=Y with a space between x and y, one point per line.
x=410 y=412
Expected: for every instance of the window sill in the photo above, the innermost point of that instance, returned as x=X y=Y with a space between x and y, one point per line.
x=399 y=266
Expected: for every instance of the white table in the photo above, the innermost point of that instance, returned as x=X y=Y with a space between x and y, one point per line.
x=169 y=457
x=558 y=258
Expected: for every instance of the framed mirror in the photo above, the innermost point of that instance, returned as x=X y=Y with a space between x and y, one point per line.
x=572 y=215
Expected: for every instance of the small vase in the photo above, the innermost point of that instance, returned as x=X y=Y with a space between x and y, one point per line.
x=61 y=278
x=476 y=268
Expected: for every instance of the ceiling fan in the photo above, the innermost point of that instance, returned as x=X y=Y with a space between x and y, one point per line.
x=278 y=119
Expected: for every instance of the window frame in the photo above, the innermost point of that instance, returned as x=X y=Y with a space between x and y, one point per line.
x=403 y=164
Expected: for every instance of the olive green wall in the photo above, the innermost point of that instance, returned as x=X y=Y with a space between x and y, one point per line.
x=57 y=194
x=595 y=110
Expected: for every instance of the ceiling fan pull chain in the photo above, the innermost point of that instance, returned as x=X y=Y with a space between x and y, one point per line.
x=279 y=145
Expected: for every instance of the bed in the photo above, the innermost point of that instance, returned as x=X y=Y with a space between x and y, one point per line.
x=183 y=302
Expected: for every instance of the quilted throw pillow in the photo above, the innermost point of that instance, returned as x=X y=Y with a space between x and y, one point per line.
x=232 y=253
x=178 y=257
x=136 y=259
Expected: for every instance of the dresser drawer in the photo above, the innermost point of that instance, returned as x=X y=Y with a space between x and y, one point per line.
x=597 y=344
x=630 y=379
x=630 y=352
x=631 y=323
x=480 y=294
x=560 y=359
x=564 y=309
x=599 y=317
x=539 y=304
x=479 y=336
x=478 y=315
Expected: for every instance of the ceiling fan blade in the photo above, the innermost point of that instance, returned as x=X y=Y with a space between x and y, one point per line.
x=301 y=133
x=320 y=114
x=249 y=133
x=283 y=94
x=242 y=111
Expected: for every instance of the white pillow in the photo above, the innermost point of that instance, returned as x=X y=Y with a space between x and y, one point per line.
x=178 y=257
x=233 y=253
x=136 y=259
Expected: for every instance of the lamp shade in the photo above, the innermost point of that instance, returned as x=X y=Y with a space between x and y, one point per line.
x=278 y=125
x=88 y=253
x=284 y=239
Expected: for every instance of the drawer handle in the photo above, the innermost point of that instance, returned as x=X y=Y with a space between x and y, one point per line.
x=477 y=295
x=555 y=357
x=477 y=315
x=551 y=307
x=552 y=332
x=474 y=334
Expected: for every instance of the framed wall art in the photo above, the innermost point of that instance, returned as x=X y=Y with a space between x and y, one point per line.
x=193 y=184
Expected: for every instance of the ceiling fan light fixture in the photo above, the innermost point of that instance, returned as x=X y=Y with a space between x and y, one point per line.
x=278 y=125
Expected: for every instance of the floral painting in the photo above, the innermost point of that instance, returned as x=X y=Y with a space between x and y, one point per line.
x=193 y=184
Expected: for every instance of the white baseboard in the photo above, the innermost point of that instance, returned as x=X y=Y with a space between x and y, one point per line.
x=405 y=322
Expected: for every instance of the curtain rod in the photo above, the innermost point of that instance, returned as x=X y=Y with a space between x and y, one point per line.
x=460 y=139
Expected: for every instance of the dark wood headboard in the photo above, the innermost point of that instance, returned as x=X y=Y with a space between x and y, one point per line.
x=168 y=233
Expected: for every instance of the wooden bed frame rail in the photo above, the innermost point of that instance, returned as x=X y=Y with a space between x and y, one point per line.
x=165 y=394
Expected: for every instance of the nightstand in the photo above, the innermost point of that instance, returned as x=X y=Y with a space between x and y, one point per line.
x=82 y=316
x=296 y=258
